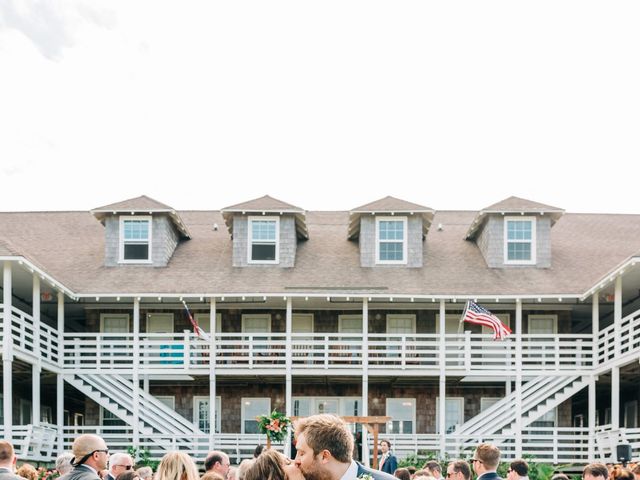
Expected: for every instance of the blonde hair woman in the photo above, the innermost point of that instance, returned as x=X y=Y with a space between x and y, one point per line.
x=177 y=466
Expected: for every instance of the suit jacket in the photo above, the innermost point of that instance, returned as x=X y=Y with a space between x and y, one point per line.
x=390 y=465
x=489 y=476
x=376 y=474
x=7 y=474
x=81 y=472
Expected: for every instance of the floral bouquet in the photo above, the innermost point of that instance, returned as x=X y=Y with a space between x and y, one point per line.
x=274 y=426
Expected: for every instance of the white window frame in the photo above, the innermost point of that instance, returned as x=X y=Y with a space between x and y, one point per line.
x=242 y=409
x=247 y=316
x=451 y=316
x=541 y=317
x=458 y=400
x=250 y=242
x=630 y=410
x=305 y=316
x=164 y=315
x=351 y=316
x=218 y=412
x=126 y=316
x=401 y=316
x=163 y=399
x=123 y=219
x=533 y=240
x=413 y=417
x=203 y=321
x=404 y=240
x=46 y=414
x=491 y=401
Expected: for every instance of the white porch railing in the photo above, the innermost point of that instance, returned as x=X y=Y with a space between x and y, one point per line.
x=464 y=353
x=628 y=342
x=34 y=442
x=23 y=333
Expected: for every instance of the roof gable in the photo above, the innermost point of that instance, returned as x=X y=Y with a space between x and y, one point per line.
x=263 y=205
x=389 y=205
x=141 y=204
x=513 y=205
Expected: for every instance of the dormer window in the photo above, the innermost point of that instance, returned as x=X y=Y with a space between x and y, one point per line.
x=520 y=240
x=264 y=233
x=391 y=240
x=135 y=240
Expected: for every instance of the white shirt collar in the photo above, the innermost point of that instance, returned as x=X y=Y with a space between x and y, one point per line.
x=351 y=473
x=90 y=468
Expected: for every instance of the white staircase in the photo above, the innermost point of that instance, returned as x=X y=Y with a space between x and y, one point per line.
x=539 y=396
x=118 y=394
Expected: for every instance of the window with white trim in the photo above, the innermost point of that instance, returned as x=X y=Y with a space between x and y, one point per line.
x=264 y=234
x=201 y=413
x=252 y=408
x=135 y=239
x=453 y=413
x=391 y=240
x=520 y=240
x=403 y=415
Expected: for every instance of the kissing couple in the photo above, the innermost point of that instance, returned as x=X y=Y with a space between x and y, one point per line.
x=324 y=447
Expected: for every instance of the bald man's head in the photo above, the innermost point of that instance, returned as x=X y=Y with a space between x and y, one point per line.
x=90 y=450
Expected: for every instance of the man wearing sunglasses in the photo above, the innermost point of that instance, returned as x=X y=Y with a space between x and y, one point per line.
x=90 y=455
x=485 y=462
x=119 y=463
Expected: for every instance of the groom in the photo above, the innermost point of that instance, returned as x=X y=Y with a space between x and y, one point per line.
x=324 y=447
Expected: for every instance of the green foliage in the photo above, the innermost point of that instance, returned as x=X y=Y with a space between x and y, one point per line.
x=142 y=458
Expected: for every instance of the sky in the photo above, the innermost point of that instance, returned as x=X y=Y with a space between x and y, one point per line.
x=327 y=105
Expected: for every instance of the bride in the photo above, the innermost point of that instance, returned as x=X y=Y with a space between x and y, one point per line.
x=272 y=465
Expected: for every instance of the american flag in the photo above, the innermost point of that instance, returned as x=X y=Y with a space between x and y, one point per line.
x=474 y=313
x=196 y=328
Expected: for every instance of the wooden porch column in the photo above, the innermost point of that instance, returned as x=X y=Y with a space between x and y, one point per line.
x=60 y=376
x=592 y=417
x=288 y=379
x=615 y=398
x=617 y=317
x=135 y=374
x=442 y=404
x=36 y=368
x=365 y=378
x=7 y=352
x=518 y=388
x=213 y=314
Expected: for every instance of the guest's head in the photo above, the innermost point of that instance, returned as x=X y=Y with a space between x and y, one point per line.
x=636 y=471
x=211 y=476
x=595 y=471
x=91 y=450
x=119 y=463
x=486 y=458
x=518 y=468
x=177 y=466
x=243 y=467
x=412 y=470
x=458 y=470
x=433 y=468
x=27 y=471
x=7 y=455
x=560 y=476
x=324 y=446
x=218 y=462
x=63 y=463
x=620 y=473
x=385 y=445
x=402 y=474
x=128 y=475
x=258 y=450
x=145 y=473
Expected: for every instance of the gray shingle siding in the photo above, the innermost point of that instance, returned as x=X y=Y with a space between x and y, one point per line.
x=164 y=241
x=367 y=241
x=490 y=241
x=287 y=243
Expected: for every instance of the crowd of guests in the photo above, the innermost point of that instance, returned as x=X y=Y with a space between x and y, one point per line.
x=324 y=448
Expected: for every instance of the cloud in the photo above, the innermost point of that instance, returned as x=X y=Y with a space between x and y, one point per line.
x=52 y=26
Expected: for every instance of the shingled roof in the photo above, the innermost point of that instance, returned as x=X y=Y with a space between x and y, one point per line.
x=389 y=205
x=70 y=247
x=264 y=205
x=513 y=205
x=140 y=205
